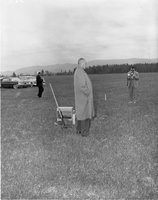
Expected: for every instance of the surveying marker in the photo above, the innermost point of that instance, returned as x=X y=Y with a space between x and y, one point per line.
x=105 y=97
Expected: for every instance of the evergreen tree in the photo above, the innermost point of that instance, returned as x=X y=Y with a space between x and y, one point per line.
x=14 y=74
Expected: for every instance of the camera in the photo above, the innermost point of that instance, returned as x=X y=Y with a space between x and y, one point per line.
x=131 y=75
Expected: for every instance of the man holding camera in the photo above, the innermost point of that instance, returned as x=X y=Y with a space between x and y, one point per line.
x=132 y=83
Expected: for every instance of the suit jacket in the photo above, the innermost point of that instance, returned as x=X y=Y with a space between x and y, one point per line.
x=39 y=81
x=132 y=80
x=83 y=95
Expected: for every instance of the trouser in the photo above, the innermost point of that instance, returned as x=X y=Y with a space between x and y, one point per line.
x=40 y=91
x=132 y=93
x=83 y=127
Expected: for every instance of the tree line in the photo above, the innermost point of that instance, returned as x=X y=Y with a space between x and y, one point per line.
x=122 y=68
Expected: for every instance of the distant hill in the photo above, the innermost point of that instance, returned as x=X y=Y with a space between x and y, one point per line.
x=51 y=68
x=69 y=66
x=122 y=61
x=34 y=69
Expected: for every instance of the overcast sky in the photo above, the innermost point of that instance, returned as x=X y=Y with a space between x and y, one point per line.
x=42 y=32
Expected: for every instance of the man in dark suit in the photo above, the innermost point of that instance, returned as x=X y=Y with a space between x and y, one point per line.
x=39 y=82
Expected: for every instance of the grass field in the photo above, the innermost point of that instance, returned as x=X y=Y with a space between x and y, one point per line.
x=118 y=160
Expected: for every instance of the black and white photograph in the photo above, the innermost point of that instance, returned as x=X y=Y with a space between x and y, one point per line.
x=79 y=99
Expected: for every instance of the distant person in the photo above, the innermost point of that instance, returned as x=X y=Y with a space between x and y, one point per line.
x=39 y=82
x=132 y=83
x=83 y=99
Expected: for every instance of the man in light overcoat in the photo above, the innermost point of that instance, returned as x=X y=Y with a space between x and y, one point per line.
x=132 y=83
x=83 y=98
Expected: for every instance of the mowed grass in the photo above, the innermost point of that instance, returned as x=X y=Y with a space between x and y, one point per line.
x=118 y=160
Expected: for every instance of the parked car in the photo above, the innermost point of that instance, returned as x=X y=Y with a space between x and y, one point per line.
x=1 y=78
x=29 y=80
x=13 y=82
x=44 y=82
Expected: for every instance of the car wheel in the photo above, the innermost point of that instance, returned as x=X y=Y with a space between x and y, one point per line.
x=15 y=86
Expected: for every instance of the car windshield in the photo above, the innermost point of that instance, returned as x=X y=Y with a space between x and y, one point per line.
x=6 y=79
x=27 y=77
x=15 y=79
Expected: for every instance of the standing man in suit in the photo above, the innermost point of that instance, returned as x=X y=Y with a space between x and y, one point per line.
x=132 y=83
x=83 y=99
x=39 y=82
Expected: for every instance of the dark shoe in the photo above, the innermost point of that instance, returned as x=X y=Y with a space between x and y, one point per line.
x=85 y=134
x=78 y=132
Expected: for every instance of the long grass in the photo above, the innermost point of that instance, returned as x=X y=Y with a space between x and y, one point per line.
x=118 y=160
